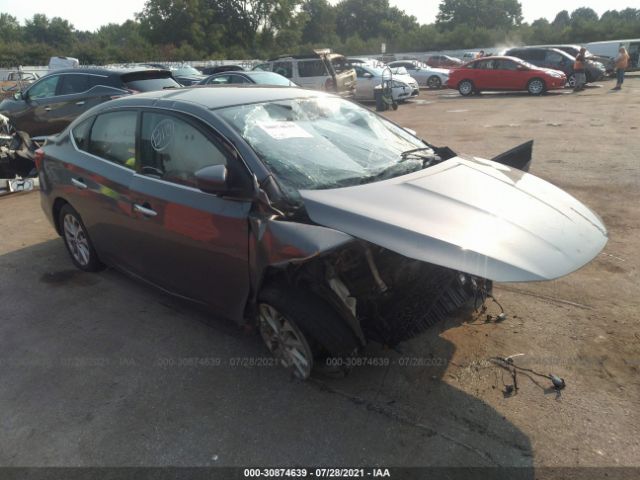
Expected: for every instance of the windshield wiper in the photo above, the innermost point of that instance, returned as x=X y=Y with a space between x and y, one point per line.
x=414 y=151
x=427 y=160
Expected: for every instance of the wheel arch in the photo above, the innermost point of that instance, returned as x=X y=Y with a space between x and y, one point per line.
x=55 y=210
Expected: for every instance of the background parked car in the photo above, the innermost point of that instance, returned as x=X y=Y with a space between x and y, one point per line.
x=184 y=74
x=17 y=81
x=51 y=103
x=557 y=60
x=425 y=75
x=573 y=50
x=504 y=73
x=403 y=87
x=321 y=70
x=610 y=49
x=443 y=61
x=253 y=77
x=220 y=68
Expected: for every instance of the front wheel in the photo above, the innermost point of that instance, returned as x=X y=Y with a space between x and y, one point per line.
x=571 y=81
x=299 y=328
x=77 y=241
x=434 y=82
x=465 y=88
x=536 y=86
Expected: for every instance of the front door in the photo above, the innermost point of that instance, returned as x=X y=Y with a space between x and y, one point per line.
x=191 y=243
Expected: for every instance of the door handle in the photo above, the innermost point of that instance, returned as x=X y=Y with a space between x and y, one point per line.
x=144 y=210
x=80 y=103
x=47 y=108
x=78 y=183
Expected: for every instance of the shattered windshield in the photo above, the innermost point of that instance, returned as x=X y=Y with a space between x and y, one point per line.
x=325 y=142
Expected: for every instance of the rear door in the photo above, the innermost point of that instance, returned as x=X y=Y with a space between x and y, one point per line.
x=189 y=242
x=76 y=93
x=484 y=77
x=97 y=185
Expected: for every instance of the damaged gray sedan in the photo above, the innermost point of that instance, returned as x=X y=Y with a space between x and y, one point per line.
x=318 y=221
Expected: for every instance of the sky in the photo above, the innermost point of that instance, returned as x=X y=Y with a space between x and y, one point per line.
x=91 y=14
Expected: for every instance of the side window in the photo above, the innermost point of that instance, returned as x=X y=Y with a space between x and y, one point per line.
x=113 y=137
x=73 y=83
x=554 y=57
x=359 y=72
x=220 y=80
x=283 y=68
x=485 y=64
x=96 y=80
x=238 y=79
x=504 y=65
x=175 y=150
x=311 y=68
x=536 y=55
x=45 y=88
x=81 y=134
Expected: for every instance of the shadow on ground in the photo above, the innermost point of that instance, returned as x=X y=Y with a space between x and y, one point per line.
x=98 y=369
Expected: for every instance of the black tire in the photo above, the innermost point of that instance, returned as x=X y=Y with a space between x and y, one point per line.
x=79 y=245
x=324 y=331
x=536 y=86
x=571 y=81
x=434 y=82
x=466 y=88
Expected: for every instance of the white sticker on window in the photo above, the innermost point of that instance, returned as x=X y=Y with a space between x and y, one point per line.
x=162 y=135
x=284 y=130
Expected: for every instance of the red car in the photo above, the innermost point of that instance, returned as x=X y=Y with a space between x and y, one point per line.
x=504 y=73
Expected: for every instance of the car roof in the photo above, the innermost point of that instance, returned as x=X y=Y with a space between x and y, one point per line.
x=103 y=71
x=220 y=96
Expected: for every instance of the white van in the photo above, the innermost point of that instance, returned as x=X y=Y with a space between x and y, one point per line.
x=56 y=63
x=320 y=71
x=610 y=49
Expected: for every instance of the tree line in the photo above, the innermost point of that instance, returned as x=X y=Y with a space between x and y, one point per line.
x=174 y=30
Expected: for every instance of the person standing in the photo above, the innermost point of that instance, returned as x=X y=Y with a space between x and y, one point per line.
x=622 y=62
x=579 y=71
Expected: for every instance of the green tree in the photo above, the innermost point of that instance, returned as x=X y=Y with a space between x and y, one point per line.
x=320 y=23
x=562 y=20
x=490 y=14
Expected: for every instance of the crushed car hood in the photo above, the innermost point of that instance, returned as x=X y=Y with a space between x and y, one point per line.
x=469 y=214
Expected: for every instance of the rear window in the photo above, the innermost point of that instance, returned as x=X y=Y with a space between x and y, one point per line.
x=149 y=81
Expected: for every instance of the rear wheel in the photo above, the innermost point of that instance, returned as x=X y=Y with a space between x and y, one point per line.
x=434 y=82
x=77 y=240
x=465 y=87
x=300 y=329
x=571 y=81
x=536 y=86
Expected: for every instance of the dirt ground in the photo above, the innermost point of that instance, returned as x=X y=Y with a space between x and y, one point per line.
x=97 y=369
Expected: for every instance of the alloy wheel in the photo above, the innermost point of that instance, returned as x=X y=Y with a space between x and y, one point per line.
x=434 y=82
x=536 y=87
x=285 y=341
x=465 y=87
x=76 y=239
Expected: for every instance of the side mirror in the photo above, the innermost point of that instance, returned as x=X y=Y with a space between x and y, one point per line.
x=18 y=96
x=367 y=75
x=212 y=179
